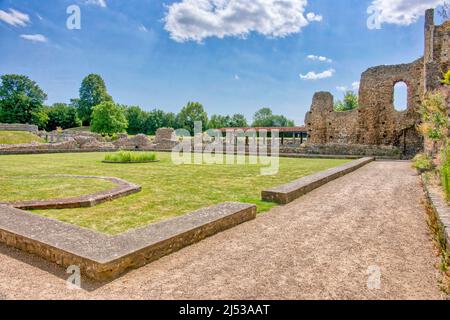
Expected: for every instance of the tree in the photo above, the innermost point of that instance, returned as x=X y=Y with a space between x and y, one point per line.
x=192 y=112
x=238 y=121
x=155 y=119
x=108 y=118
x=62 y=115
x=21 y=101
x=218 y=122
x=136 y=120
x=435 y=121
x=265 y=118
x=92 y=92
x=350 y=102
x=170 y=120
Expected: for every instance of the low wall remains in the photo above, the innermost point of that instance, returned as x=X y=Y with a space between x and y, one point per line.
x=18 y=127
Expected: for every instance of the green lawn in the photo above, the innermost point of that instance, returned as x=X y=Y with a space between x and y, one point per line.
x=15 y=188
x=167 y=190
x=16 y=137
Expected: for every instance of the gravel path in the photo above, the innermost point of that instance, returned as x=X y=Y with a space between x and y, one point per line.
x=318 y=247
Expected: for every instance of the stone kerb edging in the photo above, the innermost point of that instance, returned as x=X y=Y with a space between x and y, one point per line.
x=441 y=210
x=123 y=188
x=103 y=257
x=289 y=192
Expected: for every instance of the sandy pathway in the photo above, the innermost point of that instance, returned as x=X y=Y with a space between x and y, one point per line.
x=318 y=247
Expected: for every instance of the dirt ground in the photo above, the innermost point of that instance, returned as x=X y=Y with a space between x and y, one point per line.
x=334 y=243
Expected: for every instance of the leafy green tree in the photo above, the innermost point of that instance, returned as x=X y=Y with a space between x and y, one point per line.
x=263 y=118
x=155 y=119
x=192 y=112
x=21 y=101
x=238 y=121
x=218 y=122
x=170 y=120
x=92 y=92
x=108 y=118
x=136 y=120
x=350 y=102
x=63 y=116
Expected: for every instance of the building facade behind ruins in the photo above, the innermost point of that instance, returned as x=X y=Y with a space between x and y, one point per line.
x=376 y=122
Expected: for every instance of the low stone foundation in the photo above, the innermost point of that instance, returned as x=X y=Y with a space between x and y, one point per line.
x=380 y=151
x=102 y=257
x=441 y=210
x=289 y=192
x=18 y=127
x=124 y=188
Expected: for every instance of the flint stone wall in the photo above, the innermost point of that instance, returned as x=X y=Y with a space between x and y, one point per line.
x=376 y=122
x=139 y=141
x=18 y=127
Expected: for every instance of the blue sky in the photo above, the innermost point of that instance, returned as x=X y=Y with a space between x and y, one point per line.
x=226 y=54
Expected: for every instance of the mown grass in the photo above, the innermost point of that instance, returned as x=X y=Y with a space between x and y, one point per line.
x=47 y=187
x=167 y=190
x=130 y=156
x=16 y=137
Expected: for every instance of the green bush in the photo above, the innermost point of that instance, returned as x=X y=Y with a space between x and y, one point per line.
x=423 y=162
x=445 y=171
x=446 y=79
x=130 y=156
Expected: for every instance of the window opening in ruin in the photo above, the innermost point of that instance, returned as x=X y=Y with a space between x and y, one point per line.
x=400 y=96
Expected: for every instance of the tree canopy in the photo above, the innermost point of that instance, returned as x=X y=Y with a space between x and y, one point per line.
x=265 y=118
x=192 y=112
x=92 y=92
x=63 y=116
x=350 y=102
x=21 y=101
x=108 y=118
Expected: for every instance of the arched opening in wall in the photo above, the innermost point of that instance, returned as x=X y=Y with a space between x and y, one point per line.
x=400 y=96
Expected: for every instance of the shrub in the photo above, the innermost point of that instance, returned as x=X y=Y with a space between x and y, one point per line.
x=445 y=170
x=130 y=156
x=423 y=162
x=446 y=79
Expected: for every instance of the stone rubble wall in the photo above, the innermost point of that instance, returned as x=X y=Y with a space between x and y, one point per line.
x=376 y=122
x=18 y=127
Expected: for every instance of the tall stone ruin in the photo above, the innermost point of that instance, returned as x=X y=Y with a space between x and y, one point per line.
x=376 y=123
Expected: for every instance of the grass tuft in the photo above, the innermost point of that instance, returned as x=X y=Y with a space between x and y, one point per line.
x=130 y=156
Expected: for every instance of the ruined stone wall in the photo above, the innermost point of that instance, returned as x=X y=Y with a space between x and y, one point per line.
x=18 y=127
x=376 y=122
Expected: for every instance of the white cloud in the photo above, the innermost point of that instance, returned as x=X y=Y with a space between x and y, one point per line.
x=311 y=16
x=101 y=3
x=34 y=37
x=14 y=18
x=195 y=20
x=236 y=77
x=312 y=75
x=341 y=88
x=402 y=12
x=319 y=58
x=355 y=85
